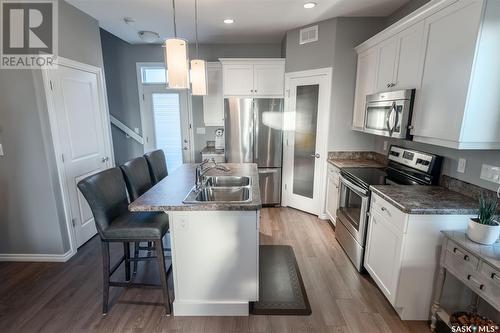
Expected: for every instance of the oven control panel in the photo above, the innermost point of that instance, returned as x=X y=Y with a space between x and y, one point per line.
x=411 y=158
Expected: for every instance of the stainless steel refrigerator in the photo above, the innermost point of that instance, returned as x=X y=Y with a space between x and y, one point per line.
x=253 y=134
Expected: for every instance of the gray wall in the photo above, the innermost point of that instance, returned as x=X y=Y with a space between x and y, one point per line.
x=31 y=214
x=404 y=10
x=335 y=48
x=120 y=60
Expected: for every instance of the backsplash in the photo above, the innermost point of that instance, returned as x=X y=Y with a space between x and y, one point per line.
x=467 y=189
x=358 y=155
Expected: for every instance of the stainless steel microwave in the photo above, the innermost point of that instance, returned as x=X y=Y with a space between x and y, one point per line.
x=389 y=113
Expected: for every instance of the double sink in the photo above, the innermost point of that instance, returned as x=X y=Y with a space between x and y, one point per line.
x=221 y=189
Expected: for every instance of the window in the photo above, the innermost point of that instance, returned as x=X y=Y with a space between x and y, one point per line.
x=153 y=75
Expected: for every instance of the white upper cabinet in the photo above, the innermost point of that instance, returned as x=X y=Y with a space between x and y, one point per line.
x=238 y=79
x=459 y=104
x=399 y=60
x=253 y=77
x=408 y=70
x=269 y=79
x=387 y=57
x=448 y=51
x=365 y=85
x=213 y=103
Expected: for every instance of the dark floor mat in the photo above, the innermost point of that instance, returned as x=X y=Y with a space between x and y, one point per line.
x=281 y=290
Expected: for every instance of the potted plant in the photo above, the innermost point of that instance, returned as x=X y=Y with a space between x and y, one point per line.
x=484 y=229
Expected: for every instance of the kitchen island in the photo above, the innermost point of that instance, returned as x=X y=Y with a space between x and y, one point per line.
x=215 y=245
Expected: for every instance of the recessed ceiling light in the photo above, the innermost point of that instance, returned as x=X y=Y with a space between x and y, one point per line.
x=229 y=21
x=309 y=5
x=149 y=36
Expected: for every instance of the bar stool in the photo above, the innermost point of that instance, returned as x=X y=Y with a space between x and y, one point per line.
x=138 y=180
x=107 y=197
x=157 y=165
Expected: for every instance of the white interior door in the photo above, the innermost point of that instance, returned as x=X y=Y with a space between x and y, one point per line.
x=166 y=124
x=307 y=106
x=83 y=138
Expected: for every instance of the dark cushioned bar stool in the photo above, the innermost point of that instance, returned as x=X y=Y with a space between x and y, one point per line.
x=138 y=180
x=137 y=177
x=106 y=194
x=157 y=165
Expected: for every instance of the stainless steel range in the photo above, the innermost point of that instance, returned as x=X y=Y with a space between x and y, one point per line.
x=406 y=167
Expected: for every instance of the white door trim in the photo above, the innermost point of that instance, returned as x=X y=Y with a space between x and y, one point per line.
x=323 y=117
x=47 y=85
x=140 y=91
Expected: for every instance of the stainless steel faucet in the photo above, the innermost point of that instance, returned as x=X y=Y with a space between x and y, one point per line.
x=201 y=170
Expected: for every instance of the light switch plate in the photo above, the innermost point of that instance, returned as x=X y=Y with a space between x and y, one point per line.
x=1 y=150
x=490 y=173
x=461 y=165
x=200 y=130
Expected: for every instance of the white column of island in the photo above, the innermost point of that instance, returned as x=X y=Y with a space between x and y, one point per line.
x=215 y=245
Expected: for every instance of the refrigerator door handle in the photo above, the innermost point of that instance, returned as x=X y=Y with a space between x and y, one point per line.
x=256 y=133
x=264 y=171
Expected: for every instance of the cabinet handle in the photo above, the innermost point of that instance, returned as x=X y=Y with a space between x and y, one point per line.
x=494 y=276
x=386 y=210
x=388 y=85
x=457 y=251
x=471 y=279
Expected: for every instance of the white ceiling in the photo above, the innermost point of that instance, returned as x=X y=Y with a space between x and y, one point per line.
x=263 y=21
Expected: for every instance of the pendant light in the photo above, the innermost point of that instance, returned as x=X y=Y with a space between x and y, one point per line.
x=198 y=66
x=176 y=60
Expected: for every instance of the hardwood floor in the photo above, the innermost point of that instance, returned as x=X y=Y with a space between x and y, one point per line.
x=66 y=297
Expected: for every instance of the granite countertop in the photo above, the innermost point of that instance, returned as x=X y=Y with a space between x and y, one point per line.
x=349 y=163
x=357 y=159
x=212 y=150
x=489 y=253
x=169 y=193
x=426 y=200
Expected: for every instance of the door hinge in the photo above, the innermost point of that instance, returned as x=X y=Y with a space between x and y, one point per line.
x=62 y=157
x=286 y=187
x=73 y=221
x=51 y=85
x=143 y=98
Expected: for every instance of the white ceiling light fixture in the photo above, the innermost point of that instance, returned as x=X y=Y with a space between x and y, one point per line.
x=149 y=36
x=198 y=66
x=176 y=60
x=309 y=5
x=229 y=21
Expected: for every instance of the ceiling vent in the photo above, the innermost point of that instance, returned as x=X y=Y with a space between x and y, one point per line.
x=308 y=35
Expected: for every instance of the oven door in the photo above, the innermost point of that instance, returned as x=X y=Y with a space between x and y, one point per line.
x=387 y=118
x=353 y=207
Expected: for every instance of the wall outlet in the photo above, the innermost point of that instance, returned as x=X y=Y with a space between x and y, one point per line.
x=461 y=165
x=1 y=150
x=200 y=130
x=490 y=173
x=385 y=145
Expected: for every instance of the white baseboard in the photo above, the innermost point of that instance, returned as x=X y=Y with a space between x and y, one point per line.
x=37 y=257
x=323 y=216
x=202 y=308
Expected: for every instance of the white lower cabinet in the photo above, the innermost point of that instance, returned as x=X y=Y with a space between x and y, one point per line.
x=402 y=254
x=383 y=254
x=332 y=193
